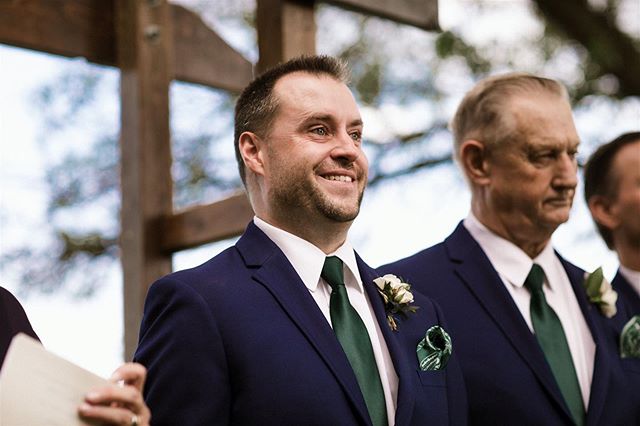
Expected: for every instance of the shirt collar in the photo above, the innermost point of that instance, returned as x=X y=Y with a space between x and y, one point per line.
x=507 y=258
x=308 y=259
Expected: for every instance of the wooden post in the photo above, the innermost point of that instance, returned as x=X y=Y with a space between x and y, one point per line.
x=286 y=28
x=144 y=36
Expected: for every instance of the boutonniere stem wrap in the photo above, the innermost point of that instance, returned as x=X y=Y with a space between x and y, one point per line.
x=397 y=298
x=600 y=292
x=434 y=350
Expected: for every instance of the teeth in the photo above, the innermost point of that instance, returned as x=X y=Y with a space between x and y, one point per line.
x=340 y=178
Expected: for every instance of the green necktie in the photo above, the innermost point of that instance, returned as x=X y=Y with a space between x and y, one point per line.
x=551 y=338
x=354 y=338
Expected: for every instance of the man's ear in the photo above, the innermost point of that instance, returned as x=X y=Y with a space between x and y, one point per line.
x=252 y=151
x=602 y=212
x=474 y=162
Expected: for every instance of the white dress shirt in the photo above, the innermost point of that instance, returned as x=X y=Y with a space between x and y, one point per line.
x=633 y=277
x=308 y=261
x=513 y=266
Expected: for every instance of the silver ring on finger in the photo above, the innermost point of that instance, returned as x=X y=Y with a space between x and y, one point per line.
x=135 y=420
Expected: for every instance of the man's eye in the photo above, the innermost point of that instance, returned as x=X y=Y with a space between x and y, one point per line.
x=320 y=131
x=356 y=136
x=542 y=156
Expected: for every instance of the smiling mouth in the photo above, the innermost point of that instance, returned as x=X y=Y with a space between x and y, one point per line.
x=339 y=178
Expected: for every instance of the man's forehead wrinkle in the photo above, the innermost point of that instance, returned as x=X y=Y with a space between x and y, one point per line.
x=539 y=142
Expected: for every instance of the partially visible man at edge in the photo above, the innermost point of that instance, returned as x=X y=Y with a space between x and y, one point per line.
x=612 y=192
x=532 y=348
x=287 y=326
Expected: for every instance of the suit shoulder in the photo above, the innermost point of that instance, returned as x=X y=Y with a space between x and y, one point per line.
x=418 y=258
x=220 y=269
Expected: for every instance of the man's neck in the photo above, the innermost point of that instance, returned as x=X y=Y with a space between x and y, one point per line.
x=328 y=237
x=628 y=254
x=532 y=244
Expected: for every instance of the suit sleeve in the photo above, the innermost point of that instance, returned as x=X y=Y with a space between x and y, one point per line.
x=181 y=346
x=13 y=320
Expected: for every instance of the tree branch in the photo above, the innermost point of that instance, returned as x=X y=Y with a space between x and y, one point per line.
x=614 y=51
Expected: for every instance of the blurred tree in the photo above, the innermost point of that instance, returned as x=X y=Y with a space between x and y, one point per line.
x=408 y=83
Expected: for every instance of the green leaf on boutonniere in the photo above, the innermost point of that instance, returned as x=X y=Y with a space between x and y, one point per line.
x=600 y=292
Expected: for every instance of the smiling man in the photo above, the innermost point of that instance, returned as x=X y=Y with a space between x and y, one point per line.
x=287 y=327
x=533 y=350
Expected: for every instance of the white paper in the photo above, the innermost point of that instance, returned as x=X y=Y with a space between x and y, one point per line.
x=38 y=388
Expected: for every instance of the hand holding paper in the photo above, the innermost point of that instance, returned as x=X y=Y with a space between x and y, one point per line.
x=40 y=388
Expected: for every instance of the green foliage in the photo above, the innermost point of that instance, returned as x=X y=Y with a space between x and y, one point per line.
x=449 y=44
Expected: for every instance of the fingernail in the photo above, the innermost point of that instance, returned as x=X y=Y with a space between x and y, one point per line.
x=84 y=407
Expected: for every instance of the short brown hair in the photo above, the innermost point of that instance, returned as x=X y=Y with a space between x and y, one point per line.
x=599 y=178
x=257 y=106
x=481 y=114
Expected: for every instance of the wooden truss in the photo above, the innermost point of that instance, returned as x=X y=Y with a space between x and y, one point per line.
x=153 y=42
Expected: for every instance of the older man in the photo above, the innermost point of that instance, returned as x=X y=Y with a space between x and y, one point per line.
x=287 y=327
x=533 y=350
x=612 y=191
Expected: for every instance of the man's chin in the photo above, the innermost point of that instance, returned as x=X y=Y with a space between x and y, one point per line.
x=557 y=219
x=341 y=216
x=340 y=213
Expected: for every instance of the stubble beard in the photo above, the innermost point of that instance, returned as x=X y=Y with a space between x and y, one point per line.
x=305 y=196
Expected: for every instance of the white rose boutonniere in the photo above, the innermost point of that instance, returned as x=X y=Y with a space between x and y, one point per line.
x=600 y=292
x=397 y=298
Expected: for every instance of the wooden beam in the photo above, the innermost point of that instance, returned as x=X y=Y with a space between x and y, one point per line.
x=418 y=13
x=68 y=28
x=86 y=28
x=206 y=224
x=286 y=28
x=144 y=56
x=203 y=57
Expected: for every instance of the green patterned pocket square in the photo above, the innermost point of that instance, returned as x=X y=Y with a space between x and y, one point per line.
x=434 y=350
x=630 y=339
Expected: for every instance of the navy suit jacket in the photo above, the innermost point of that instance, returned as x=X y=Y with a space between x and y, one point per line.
x=629 y=299
x=13 y=320
x=507 y=377
x=239 y=340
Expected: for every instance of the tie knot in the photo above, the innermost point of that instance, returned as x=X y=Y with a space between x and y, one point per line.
x=332 y=271
x=535 y=278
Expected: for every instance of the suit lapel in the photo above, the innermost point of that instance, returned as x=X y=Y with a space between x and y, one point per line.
x=406 y=396
x=275 y=273
x=476 y=271
x=601 y=370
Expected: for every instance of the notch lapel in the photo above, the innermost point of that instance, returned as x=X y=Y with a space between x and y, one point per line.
x=601 y=367
x=475 y=270
x=406 y=396
x=277 y=275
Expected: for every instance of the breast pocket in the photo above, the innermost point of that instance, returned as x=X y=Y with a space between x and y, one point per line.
x=433 y=378
x=631 y=365
x=431 y=399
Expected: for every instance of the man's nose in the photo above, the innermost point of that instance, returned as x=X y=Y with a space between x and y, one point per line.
x=566 y=172
x=346 y=147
